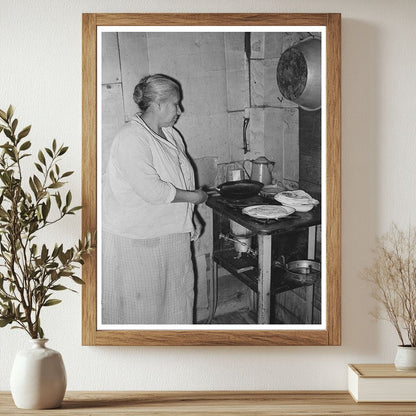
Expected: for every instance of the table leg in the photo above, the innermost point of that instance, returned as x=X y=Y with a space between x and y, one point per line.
x=213 y=290
x=309 y=304
x=264 y=280
x=252 y=301
x=311 y=242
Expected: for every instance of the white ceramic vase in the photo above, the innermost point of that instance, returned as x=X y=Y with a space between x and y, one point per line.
x=405 y=358
x=38 y=377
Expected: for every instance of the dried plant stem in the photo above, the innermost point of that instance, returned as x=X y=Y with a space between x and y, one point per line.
x=393 y=276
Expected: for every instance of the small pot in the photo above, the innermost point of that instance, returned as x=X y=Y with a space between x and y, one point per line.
x=237 y=229
x=302 y=270
x=243 y=243
x=405 y=358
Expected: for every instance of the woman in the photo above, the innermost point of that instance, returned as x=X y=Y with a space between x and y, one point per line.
x=148 y=202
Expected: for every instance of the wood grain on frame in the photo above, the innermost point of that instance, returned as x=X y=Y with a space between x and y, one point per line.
x=332 y=334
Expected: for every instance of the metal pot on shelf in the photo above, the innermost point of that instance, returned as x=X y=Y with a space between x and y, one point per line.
x=301 y=270
x=242 y=243
x=242 y=237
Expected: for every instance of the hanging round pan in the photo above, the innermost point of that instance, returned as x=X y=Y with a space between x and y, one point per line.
x=299 y=74
x=240 y=189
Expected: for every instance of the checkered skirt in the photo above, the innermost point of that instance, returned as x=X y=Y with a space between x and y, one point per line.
x=147 y=281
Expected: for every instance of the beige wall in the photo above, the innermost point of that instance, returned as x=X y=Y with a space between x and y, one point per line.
x=41 y=76
x=218 y=82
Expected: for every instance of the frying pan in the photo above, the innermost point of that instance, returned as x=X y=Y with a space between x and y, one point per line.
x=240 y=189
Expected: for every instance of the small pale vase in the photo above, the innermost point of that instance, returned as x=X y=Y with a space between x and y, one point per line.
x=38 y=377
x=405 y=358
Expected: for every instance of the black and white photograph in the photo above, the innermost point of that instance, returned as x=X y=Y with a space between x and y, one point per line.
x=211 y=178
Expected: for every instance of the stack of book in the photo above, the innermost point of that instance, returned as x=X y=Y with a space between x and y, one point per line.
x=381 y=383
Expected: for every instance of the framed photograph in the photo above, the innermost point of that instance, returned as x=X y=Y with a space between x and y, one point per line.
x=211 y=173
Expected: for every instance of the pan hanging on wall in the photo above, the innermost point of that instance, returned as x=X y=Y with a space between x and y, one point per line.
x=299 y=74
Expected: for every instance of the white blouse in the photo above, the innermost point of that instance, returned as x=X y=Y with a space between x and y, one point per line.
x=139 y=184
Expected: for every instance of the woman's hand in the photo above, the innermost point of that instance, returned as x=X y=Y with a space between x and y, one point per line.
x=197 y=231
x=194 y=197
x=200 y=196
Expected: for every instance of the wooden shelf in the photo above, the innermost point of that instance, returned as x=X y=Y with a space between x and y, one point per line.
x=245 y=269
x=266 y=403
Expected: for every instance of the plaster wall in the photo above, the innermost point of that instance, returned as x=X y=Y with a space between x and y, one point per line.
x=41 y=75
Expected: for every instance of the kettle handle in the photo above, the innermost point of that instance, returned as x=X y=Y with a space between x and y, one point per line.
x=245 y=170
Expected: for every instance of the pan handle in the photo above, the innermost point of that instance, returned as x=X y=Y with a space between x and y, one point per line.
x=245 y=170
x=212 y=191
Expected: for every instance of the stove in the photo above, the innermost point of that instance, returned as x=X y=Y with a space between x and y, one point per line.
x=237 y=205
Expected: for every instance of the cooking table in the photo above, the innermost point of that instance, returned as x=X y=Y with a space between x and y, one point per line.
x=259 y=278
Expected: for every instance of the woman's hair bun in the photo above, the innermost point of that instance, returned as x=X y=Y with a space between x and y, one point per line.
x=154 y=88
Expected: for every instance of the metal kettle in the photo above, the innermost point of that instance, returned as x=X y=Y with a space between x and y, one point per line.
x=261 y=170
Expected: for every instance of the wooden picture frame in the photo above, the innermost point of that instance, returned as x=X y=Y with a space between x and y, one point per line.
x=331 y=334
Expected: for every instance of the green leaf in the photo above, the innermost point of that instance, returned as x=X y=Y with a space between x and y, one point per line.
x=8 y=133
x=63 y=150
x=49 y=152
x=40 y=332
x=44 y=253
x=24 y=132
x=59 y=287
x=39 y=167
x=37 y=182
x=59 y=250
x=54 y=145
x=41 y=157
x=34 y=249
x=77 y=208
x=10 y=112
x=25 y=155
x=45 y=211
x=58 y=199
x=55 y=251
x=25 y=145
x=51 y=302
x=76 y=279
x=33 y=187
x=56 y=185
x=67 y=174
x=66 y=273
x=5 y=321
x=3 y=115
x=62 y=257
x=14 y=125
x=68 y=198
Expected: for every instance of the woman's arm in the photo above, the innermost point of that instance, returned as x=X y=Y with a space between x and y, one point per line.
x=194 y=197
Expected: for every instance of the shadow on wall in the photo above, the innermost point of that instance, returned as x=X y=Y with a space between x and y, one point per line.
x=360 y=179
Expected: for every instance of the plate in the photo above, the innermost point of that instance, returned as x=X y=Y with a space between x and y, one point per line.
x=268 y=211
x=297 y=197
x=299 y=207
